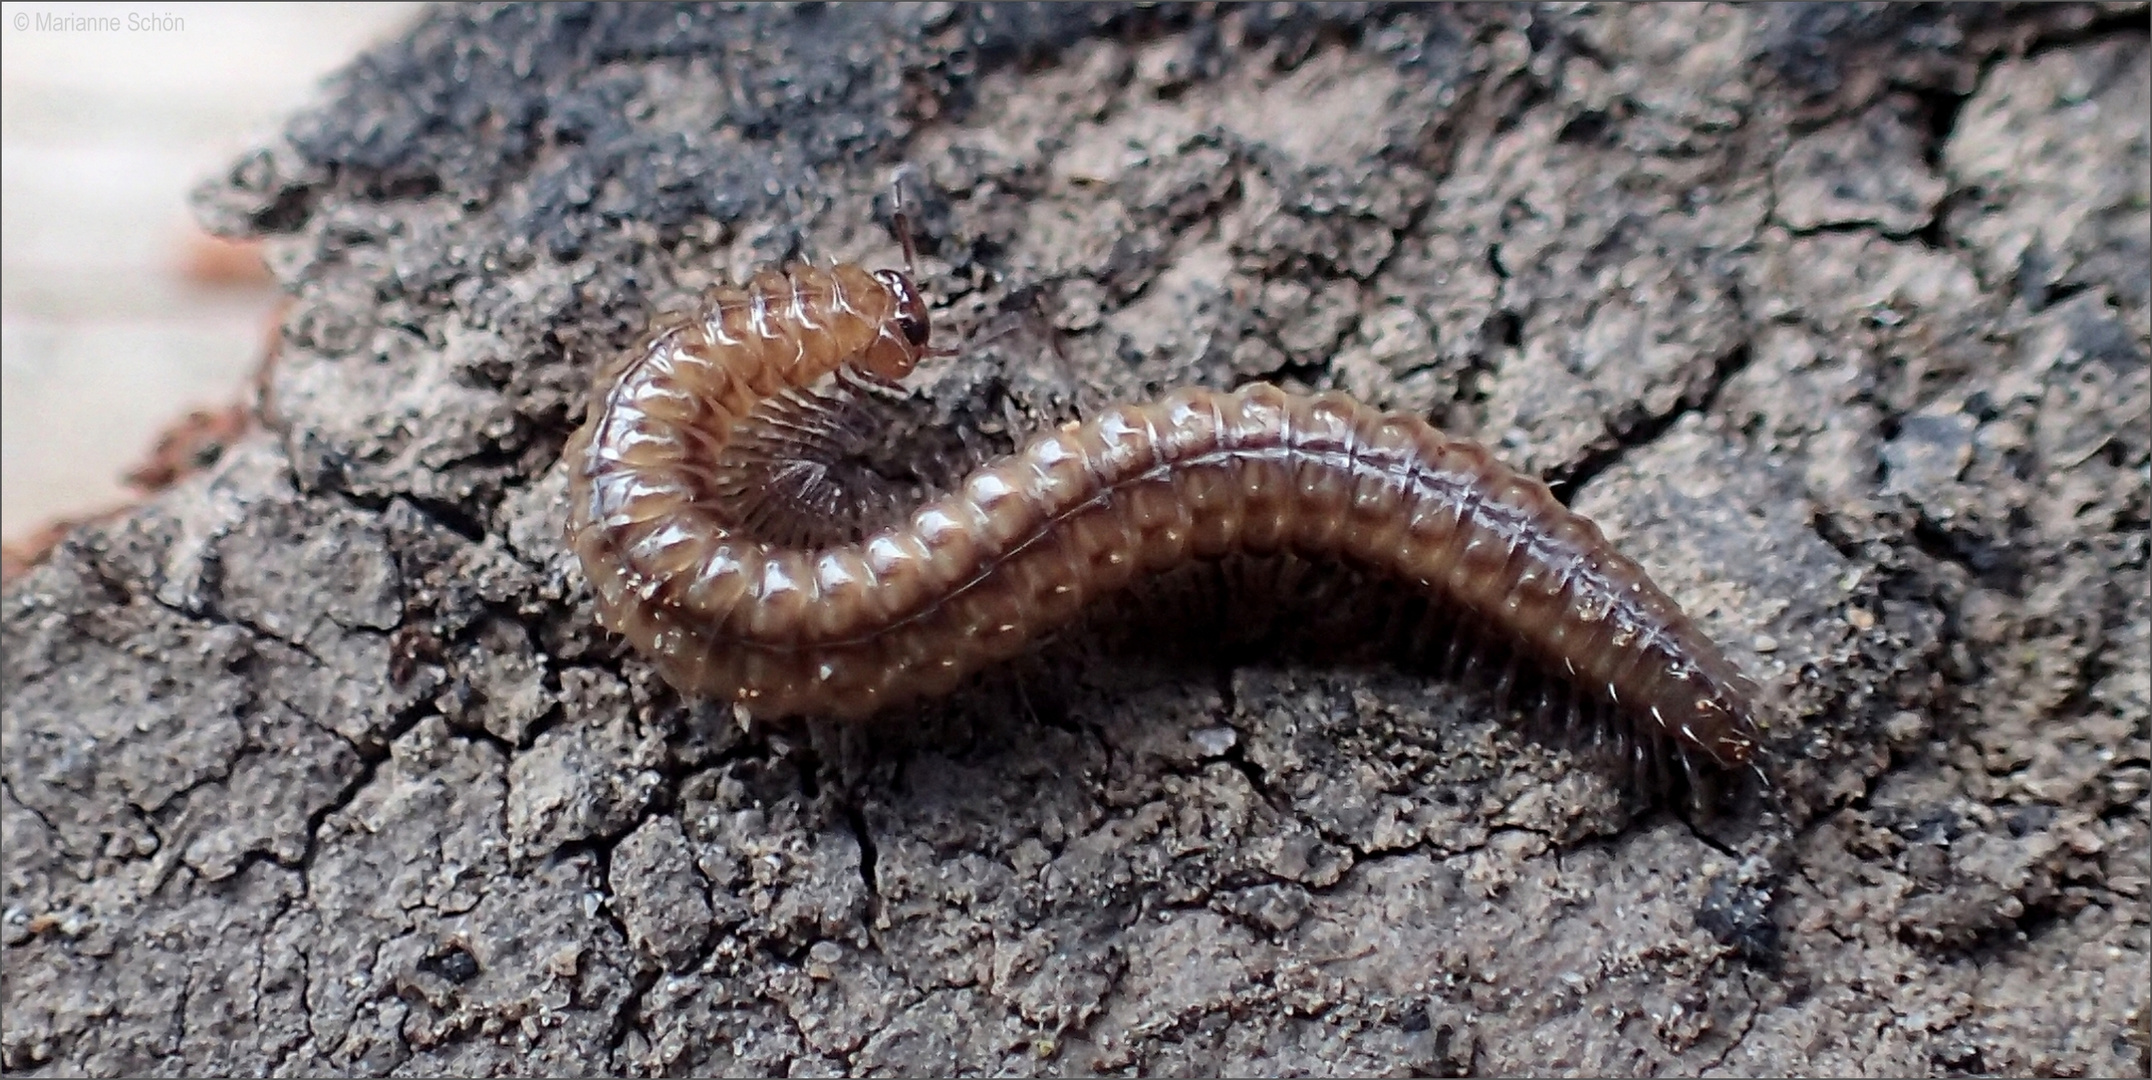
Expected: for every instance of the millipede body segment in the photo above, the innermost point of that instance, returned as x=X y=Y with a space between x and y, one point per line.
x=1026 y=542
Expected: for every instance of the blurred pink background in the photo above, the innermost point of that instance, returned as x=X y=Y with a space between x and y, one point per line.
x=117 y=314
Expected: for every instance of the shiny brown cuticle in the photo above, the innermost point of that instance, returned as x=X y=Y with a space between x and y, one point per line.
x=782 y=627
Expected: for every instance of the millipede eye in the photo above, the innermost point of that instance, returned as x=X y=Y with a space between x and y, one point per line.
x=915 y=328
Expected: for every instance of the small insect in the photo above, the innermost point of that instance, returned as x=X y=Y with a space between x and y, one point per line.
x=730 y=601
x=411 y=646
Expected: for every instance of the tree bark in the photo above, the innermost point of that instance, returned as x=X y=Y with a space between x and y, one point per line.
x=1836 y=318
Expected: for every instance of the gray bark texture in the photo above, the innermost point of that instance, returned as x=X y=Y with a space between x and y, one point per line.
x=1836 y=318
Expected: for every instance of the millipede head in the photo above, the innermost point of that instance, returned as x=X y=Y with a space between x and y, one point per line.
x=911 y=313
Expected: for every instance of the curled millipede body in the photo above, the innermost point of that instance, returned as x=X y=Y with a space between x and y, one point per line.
x=787 y=620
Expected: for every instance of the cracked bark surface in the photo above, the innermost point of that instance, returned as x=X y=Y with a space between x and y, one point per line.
x=1836 y=318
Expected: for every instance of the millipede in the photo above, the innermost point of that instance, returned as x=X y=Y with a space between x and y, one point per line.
x=711 y=524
